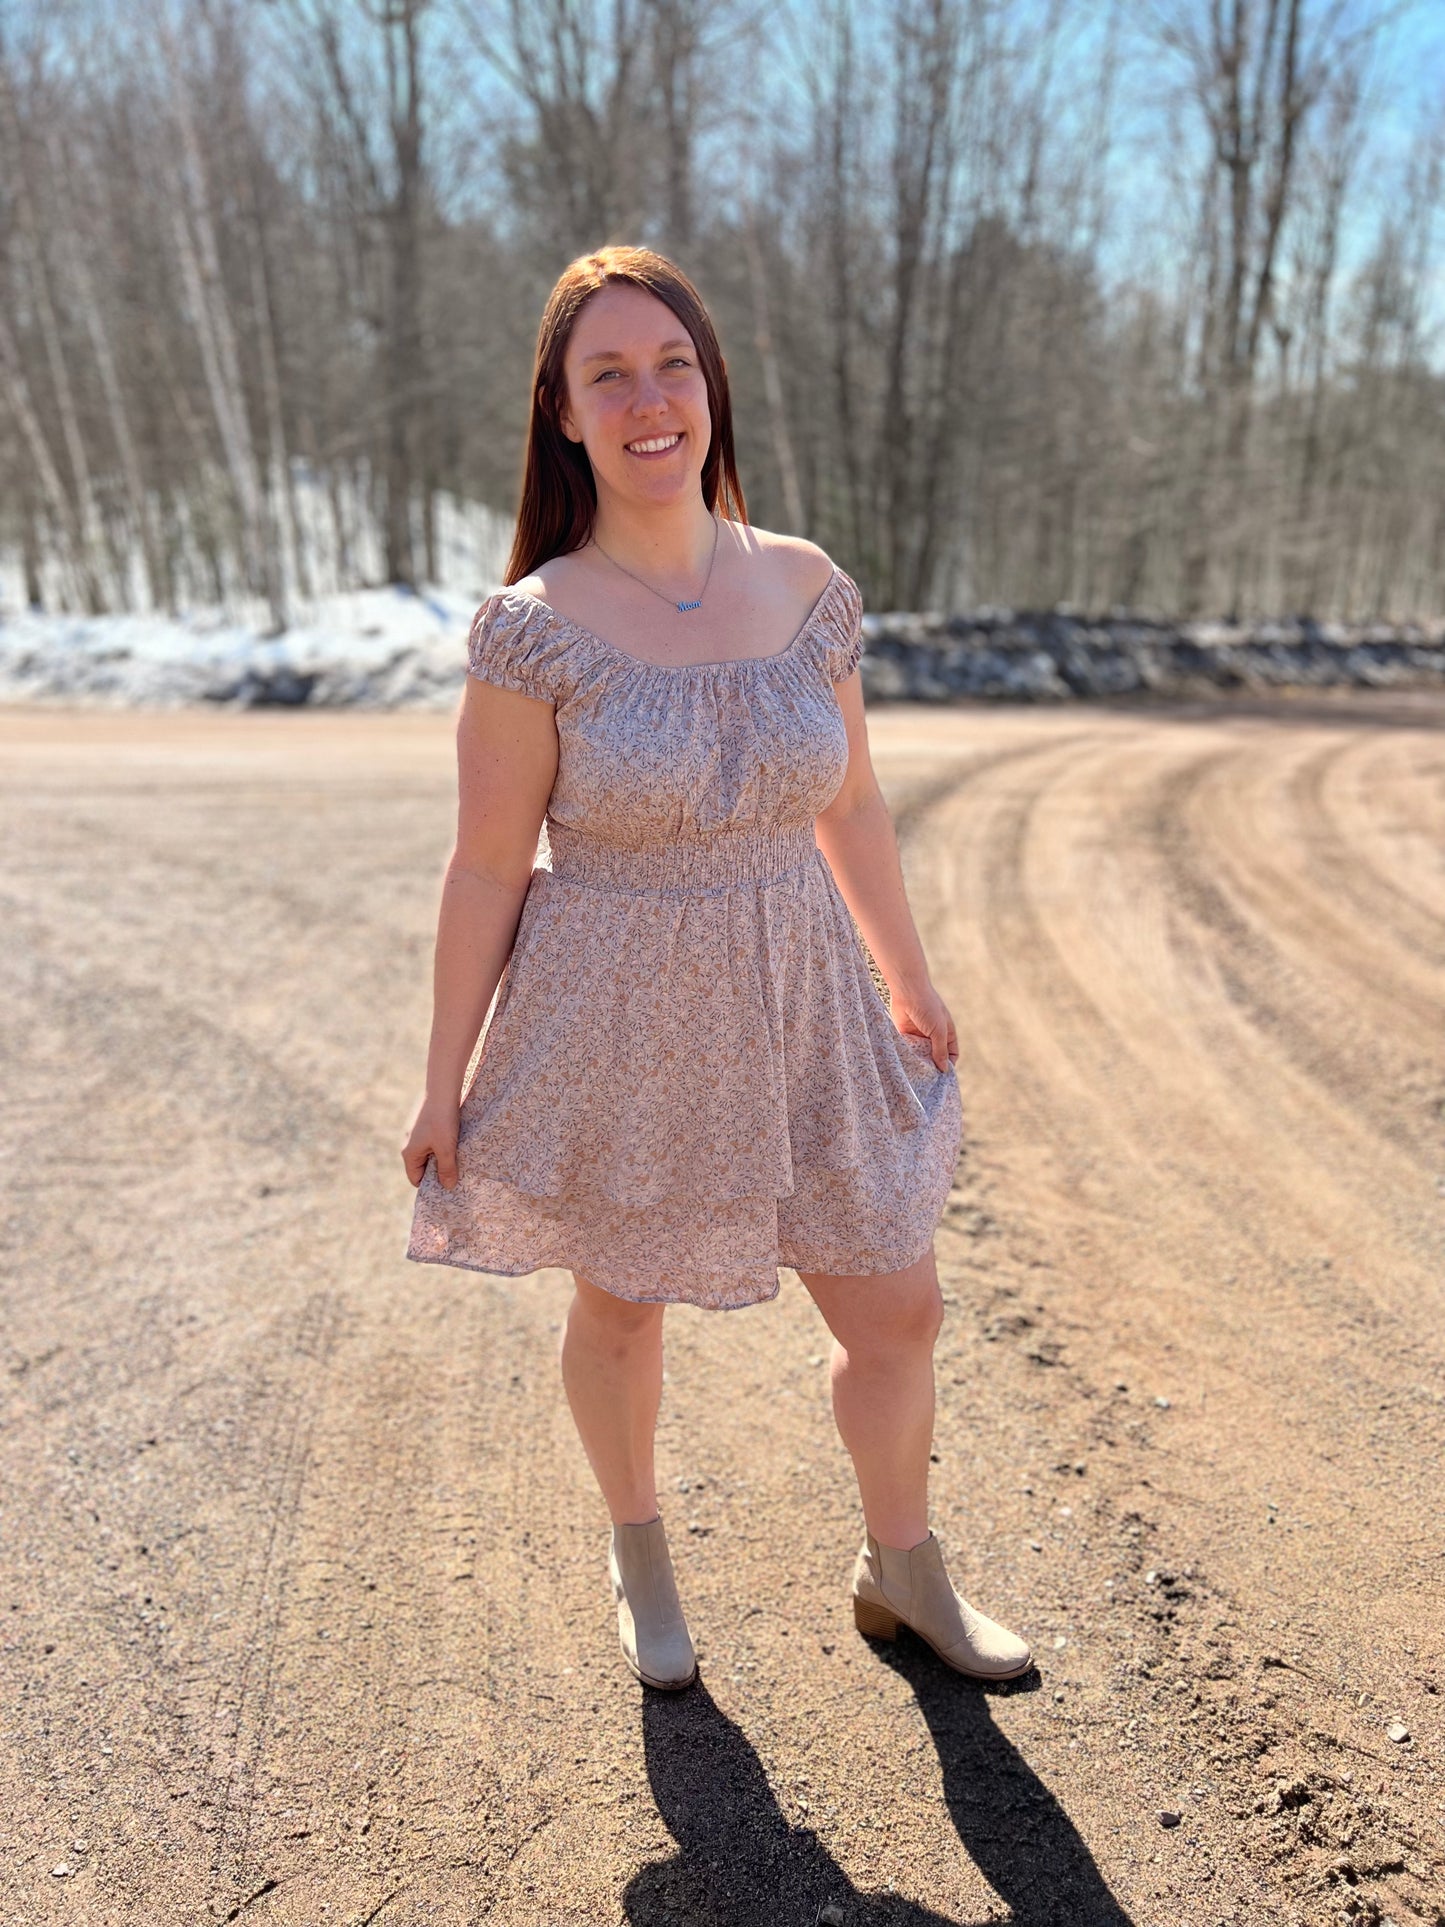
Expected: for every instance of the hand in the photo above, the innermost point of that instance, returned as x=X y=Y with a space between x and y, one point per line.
x=924 y=1014
x=433 y=1134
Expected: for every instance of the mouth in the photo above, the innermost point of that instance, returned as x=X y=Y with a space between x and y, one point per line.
x=654 y=448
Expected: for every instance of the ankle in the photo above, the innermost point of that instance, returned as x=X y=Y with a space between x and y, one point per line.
x=905 y=1541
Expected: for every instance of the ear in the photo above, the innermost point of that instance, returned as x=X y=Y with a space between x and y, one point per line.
x=564 y=416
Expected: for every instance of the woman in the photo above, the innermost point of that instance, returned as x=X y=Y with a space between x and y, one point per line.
x=689 y=1078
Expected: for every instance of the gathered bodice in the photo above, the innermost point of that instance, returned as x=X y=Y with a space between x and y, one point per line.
x=653 y=753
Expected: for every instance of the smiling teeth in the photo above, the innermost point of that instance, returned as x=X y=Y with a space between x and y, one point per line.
x=647 y=448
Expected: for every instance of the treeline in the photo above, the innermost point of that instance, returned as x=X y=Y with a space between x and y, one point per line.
x=1025 y=302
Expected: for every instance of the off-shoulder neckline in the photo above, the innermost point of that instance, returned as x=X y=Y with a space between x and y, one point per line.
x=678 y=668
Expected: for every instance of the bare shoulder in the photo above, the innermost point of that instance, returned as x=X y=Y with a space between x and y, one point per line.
x=799 y=562
x=554 y=579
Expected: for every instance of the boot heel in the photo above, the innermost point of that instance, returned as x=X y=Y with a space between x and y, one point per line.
x=876 y=1621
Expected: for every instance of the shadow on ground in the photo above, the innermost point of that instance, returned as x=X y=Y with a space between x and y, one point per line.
x=740 y=1863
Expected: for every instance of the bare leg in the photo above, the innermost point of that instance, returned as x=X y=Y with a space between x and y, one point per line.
x=884 y=1330
x=611 y=1355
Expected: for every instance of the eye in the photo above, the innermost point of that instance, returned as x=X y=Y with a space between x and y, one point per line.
x=673 y=361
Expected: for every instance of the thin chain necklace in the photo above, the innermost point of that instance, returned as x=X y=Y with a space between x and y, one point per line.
x=681 y=607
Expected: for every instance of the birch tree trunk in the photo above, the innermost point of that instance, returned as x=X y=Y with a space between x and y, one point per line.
x=778 y=431
x=194 y=233
x=84 y=516
x=81 y=582
x=79 y=237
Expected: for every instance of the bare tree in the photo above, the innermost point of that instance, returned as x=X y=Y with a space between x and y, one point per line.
x=1255 y=71
x=261 y=239
x=75 y=508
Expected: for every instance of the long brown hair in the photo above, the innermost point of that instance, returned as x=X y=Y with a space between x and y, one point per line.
x=559 y=493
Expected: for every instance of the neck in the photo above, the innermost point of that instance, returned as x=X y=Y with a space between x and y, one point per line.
x=674 y=542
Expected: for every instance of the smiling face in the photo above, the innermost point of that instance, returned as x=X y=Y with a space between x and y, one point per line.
x=636 y=396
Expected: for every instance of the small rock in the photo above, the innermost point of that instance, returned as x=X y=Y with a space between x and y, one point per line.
x=1168 y=1818
x=1162 y=1403
x=830 y=1916
x=1398 y=1732
x=1058 y=1696
x=61 y=1871
x=1034 y=1546
x=816 y=1359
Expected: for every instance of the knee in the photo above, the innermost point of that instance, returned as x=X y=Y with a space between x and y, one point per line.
x=910 y=1322
x=611 y=1323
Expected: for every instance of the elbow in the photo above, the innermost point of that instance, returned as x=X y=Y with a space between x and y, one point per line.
x=504 y=871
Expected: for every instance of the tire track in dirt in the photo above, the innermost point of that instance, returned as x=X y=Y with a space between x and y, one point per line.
x=1076 y=1006
x=1330 y=989
x=371 y=1624
x=242 y=1704
x=1399 y=908
x=212 y=1698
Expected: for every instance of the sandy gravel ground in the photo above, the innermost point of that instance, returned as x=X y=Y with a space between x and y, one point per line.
x=305 y=1611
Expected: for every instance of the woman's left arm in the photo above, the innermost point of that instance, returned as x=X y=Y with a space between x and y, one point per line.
x=856 y=835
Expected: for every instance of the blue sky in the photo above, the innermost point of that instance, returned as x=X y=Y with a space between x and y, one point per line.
x=1154 y=131
x=1406 y=75
x=1147 y=238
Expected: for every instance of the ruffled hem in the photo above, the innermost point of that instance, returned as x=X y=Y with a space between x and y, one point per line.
x=717 y=1254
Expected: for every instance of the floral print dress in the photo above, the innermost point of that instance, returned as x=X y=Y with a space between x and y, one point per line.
x=688 y=1077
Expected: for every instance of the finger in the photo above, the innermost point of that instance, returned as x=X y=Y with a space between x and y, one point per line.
x=447 y=1172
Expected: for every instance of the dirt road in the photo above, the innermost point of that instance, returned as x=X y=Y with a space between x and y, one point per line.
x=305 y=1612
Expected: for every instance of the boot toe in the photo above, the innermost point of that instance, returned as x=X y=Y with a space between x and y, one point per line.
x=991 y=1651
x=669 y=1663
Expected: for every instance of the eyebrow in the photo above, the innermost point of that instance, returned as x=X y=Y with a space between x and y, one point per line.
x=615 y=354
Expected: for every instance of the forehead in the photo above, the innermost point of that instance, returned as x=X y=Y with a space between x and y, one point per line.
x=622 y=320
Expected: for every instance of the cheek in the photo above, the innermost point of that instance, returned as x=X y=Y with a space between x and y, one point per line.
x=694 y=406
x=593 y=406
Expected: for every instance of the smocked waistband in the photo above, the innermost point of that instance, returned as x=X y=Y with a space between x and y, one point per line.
x=714 y=863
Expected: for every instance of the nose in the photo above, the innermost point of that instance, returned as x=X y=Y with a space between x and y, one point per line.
x=649 y=396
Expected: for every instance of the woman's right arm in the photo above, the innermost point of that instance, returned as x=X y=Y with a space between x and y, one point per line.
x=506 y=766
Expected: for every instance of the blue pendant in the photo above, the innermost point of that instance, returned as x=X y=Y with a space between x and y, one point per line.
x=683 y=607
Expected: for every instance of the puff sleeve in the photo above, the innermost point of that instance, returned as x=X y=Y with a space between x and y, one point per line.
x=514 y=644
x=845 y=629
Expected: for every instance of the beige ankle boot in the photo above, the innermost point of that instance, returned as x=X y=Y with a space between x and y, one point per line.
x=655 y=1641
x=891 y=1584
